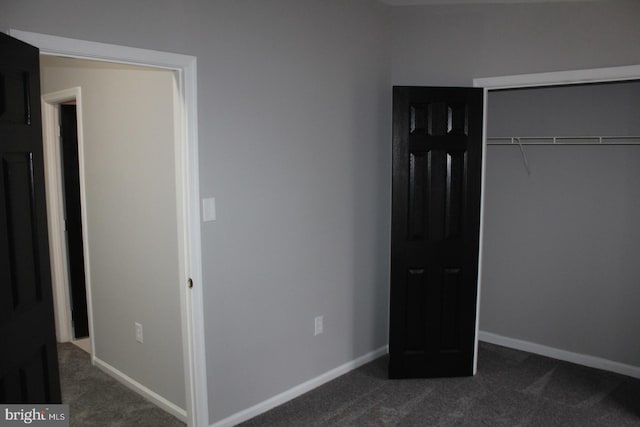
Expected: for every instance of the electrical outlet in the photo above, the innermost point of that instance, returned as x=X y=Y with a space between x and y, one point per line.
x=318 y=325
x=139 y=332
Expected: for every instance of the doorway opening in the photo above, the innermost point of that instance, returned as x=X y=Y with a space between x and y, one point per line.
x=130 y=220
x=73 y=222
x=62 y=142
x=187 y=187
x=578 y=152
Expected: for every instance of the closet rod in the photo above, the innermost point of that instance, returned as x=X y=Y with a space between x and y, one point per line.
x=564 y=140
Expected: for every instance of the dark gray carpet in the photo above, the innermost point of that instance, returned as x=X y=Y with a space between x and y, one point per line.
x=96 y=399
x=512 y=388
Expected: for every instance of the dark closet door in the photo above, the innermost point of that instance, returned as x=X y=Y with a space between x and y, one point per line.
x=28 y=359
x=73 y=219
x=437 y=162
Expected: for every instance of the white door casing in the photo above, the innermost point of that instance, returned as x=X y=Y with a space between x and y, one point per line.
x=55 y=210
x=187 y=185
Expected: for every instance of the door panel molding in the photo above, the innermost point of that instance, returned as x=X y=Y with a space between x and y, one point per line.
x=28 y=360
x=188 y=192
x=437 y=143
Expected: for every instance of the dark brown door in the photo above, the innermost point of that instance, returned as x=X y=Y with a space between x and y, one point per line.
x=437 y=155
x=28 y=357
x=73 y=219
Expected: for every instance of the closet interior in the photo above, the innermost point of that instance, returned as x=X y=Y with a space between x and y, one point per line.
x=561 y=245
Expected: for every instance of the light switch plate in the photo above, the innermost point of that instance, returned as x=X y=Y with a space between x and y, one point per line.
x=318 y=325
x=209 y=209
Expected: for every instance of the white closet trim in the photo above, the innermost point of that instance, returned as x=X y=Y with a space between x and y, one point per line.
x=595 y=75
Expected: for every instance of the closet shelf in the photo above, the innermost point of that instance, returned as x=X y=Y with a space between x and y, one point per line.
x=564 y=140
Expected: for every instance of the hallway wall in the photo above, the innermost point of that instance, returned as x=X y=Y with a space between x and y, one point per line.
x=131 y=216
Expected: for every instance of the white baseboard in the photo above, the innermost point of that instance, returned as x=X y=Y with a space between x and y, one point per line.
x=299 y=389
x=567 y=356
x=150 y=395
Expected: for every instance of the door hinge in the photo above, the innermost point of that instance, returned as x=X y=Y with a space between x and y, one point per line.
x=58 y=131
x=190 y=283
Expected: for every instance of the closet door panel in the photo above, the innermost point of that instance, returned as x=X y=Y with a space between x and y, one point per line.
x=437 y=149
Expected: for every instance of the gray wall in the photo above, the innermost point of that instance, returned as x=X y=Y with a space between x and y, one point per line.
x=609 y=109
x=132 y=228
x=559 y=245
x=452 y=45
x=294 y=125
x=561 y=249
x=298 y=98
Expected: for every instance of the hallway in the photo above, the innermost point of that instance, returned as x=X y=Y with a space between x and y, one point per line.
x=96 y=399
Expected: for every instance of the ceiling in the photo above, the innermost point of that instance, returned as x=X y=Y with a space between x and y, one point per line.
x=431 y=2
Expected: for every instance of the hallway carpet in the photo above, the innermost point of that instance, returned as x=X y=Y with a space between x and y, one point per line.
x=96 y=399
x=511 y=388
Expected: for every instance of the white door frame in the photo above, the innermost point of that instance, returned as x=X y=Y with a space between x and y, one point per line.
x=571 y=77
x=187 y=179
x=55 y=211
